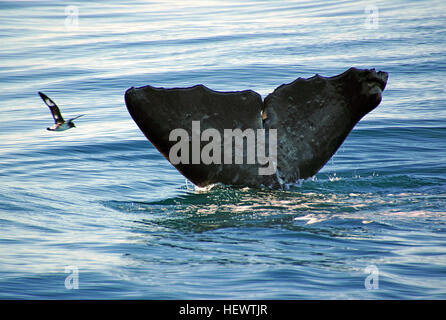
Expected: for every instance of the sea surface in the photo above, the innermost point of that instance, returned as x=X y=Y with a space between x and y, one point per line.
x=96 y=212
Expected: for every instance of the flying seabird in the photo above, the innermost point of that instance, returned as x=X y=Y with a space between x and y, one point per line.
x=59 y=123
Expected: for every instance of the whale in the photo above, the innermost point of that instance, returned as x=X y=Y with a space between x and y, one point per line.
x=276 y=141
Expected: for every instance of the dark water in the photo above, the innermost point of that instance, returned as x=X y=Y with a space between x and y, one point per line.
x=99 y=200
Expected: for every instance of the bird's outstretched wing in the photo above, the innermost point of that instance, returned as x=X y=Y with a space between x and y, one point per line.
x=76 y=117
x=53 y=107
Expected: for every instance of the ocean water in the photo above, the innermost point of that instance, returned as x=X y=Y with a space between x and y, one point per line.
x=97 y=213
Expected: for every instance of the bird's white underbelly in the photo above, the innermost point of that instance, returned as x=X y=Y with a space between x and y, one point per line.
x=61 y=127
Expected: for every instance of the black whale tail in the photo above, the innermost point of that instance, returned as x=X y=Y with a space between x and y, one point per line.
x=312 y=117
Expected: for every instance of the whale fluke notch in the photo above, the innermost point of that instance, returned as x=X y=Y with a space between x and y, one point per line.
x=312 y=116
